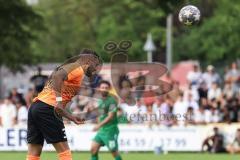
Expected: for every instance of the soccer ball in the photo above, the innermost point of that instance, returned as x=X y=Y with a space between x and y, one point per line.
x=189 y=15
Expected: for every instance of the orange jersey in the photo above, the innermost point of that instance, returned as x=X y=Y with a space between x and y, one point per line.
x=69 y=89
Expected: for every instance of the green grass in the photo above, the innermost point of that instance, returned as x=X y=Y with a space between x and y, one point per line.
x=126 y=156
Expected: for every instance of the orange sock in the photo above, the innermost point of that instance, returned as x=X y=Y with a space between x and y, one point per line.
x=30 y=157
x=66 y=155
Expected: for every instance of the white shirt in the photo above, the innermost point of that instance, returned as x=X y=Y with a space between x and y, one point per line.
x=194 y=77
x=211 y=78
x=193 y=104
x=8 y=112
x=199 y=116
x=180 y=108
x=214 y=93
x=211 y=116
x=193 y=92
x=22 y=115
x=133 y=113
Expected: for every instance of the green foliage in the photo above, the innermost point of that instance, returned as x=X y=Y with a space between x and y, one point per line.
x=18 y=24
x=73 y=25
x=216 y=39
x=70 y=28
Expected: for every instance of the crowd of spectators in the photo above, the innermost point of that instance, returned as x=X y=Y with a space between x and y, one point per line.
x=209 y=98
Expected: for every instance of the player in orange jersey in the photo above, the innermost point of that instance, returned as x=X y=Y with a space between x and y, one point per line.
x=48 y=108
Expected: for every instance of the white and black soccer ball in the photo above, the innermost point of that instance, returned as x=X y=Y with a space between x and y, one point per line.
x=189 y=15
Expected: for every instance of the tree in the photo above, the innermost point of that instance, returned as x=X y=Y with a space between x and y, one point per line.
x=18 y=24
x=216 y=39
x=73 y=25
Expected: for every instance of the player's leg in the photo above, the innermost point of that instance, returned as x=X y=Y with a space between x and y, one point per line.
x=111 y=142
x=63 y=150
x=96 y=145
x=34 y=151
x=34 y=136
x=116 y=155
x=53 y=130
x=94 y=150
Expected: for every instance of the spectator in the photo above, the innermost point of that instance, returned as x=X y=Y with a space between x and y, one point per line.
x=149 y=117
x=142 y=109
x=140 y=85
x=8 y=113
x=190 y=102
x=202 y=90
x=125 y=91
x=16 y=97
x=211 y=76
x=234 y=109
x=189 y=116
x=204 y=104
x=212 y=115
x=193 y=91
x=157 y=104
x=233 y=74
x=156 y=107
x=134 y=113
x=234 y=147
x=228 y=91
x=214 y=143
x=180 y=109
x=39 y=80
x=22 y=114
x=194 y=77
x=199 y=117
x=214 y=92
x=225 y=115
x=165 y=109
x=130 y=112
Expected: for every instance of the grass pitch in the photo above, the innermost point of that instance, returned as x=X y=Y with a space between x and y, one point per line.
x=125 y=156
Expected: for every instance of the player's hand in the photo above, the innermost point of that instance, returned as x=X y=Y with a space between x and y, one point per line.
x=78 y=120
x=59 y=109
x=96 y=128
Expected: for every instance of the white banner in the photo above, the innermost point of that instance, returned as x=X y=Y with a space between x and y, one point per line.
x=131 y=137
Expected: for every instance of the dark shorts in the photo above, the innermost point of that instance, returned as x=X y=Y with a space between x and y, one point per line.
x=44 y=124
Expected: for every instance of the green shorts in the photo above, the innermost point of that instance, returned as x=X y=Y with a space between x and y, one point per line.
x=110 y=140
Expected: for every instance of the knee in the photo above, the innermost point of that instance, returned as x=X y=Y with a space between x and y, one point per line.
x=34 y=150
x=94 y=150
x=115 y=154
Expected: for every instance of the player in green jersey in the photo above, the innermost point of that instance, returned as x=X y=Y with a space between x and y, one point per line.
x=107 y=126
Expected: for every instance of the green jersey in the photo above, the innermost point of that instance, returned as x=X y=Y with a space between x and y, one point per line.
x=104 y=107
